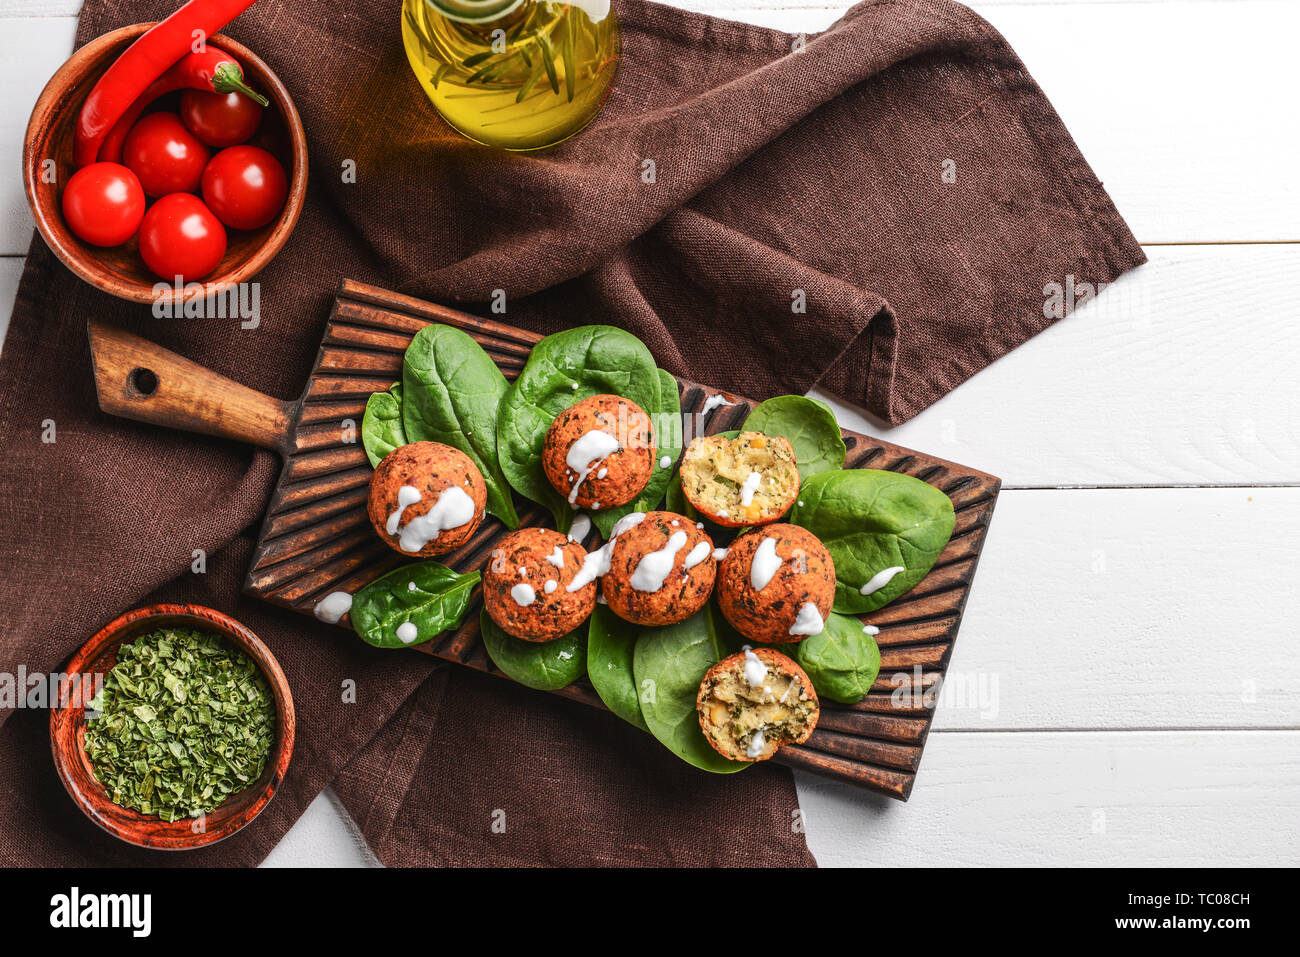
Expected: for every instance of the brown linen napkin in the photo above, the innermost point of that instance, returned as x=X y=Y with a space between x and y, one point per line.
x=821 y=169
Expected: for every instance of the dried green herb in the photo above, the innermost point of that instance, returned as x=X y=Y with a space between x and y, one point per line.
x=186 y=720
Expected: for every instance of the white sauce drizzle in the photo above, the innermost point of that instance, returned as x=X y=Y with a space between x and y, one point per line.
x=333 y=607
x=766 y=562
x=453 y=509
x=556 y=558
x=720 y=553
x=523 y=594
x=666 y=462
x=589 y=451
x=698 y=554
x=748 y=489
x=871 y=629
x=407 y=632
x=410 y=586
x=712 y=402
x=550 y=586
x=756 y=744
x=628 y=521
x=880 y=579
x=653 y=568
x=407 y=495
x=597 y=563
x=755 y=670
x=580 y=528
x=808 y=621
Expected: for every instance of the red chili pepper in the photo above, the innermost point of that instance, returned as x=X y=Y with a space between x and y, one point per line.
x=143 y=62
x=213 y=71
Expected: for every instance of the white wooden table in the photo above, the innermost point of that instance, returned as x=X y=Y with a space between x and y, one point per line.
x=1126 y=687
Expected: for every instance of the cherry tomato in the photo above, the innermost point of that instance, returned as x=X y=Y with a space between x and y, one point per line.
x=179 y=236
x=164 y=154
x=220 y=119
x=103 y=204
x=245 y=186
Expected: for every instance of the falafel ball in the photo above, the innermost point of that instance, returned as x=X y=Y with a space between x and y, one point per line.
x=776 y=584
x=752 y=703
x=661 y=570
x=749 y=480
x=600 y=452
x=526 y=585
x=426 y=499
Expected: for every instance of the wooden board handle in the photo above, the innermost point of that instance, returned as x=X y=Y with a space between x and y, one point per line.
x=140 y=380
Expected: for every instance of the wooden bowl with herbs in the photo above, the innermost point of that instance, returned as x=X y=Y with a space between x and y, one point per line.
x=175 y=729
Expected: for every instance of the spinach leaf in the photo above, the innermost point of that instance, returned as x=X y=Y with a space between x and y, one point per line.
x=428 y=595
x=872 y=521
x=809 y=425
x=563 y=369
x=842 y=661
x=611 y=642
x=667 y=421
x=668 y=664
x=451 y=390
x=381 y=427
x=544 y=665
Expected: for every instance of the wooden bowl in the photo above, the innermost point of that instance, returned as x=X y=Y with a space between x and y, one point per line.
x=68 y=732
x=120 y=270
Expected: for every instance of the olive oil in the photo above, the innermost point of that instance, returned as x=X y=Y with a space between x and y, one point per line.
x=517 y=74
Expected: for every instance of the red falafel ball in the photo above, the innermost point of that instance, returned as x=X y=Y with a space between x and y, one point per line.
x=600 y=452
x=661 y=570
x=776 y=584
x=426 y=499
x=753 y=703
x=526 y=585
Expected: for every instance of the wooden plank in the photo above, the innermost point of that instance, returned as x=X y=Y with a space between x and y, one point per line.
x=70 y=8
x=1222 y=798
x=30 y=51
x=40 y=8
x=1130 y=608
x=1140 y=117
x=11 y=271
x=1137 y=86
x=1183 y=372
x=316 y=538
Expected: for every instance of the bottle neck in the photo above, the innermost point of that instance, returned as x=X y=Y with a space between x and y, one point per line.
x=476 y=11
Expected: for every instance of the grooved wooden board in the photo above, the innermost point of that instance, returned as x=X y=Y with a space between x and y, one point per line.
x=317 y=538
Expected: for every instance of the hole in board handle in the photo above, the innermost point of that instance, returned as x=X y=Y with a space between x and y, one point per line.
x=141 y=383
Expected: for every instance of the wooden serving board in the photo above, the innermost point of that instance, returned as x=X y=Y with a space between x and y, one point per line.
x=317 y=538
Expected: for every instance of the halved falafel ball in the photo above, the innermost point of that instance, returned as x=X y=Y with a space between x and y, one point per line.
x=749 y=480
x=661 y=570
x=600 y=452
x=426 y=499
x=776 y=584
x=752 y=703
x=526 y=585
